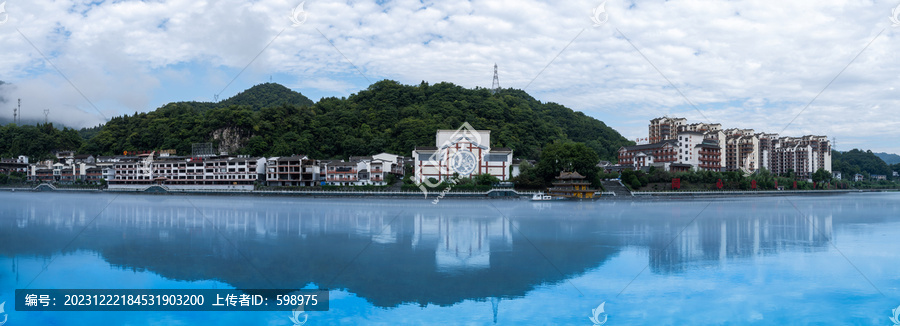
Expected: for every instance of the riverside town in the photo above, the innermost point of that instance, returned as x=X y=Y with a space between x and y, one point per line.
x=672 y=146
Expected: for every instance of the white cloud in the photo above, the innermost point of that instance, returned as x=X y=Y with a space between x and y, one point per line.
x=748 y=64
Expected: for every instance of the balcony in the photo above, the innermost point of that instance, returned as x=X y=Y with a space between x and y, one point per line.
x=664 y=153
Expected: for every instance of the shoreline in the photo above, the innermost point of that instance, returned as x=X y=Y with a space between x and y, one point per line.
x=492 y=194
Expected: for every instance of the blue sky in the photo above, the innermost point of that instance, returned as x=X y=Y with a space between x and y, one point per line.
x=803 y=67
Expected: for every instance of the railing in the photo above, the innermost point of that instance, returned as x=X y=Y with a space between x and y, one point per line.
x=737 y=192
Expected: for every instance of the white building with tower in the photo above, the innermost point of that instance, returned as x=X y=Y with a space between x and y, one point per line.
x=464 y=152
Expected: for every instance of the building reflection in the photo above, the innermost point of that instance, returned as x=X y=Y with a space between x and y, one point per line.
x=715 y=241
x=394 y=252
x=461 y=244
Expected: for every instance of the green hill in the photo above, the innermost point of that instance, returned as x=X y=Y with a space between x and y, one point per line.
x=889 y=158
x=256 y=97
x=858 y=161
x=272 y=120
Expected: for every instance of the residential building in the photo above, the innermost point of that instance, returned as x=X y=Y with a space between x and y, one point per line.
x=664 y=128
x=84 y=158
x=182 y=173
x=293 y=171
x=61 y=155
x=727 y=150
x=394 y=163
x=659 y=154
x=741 y=150
x=342 y=173
x=688 y=150
x=14 y=164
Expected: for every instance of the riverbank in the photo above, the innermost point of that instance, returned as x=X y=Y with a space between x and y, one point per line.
x=741 y=193
x=493 y=193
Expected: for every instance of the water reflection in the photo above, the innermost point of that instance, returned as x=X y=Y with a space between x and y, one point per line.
x=400 y=251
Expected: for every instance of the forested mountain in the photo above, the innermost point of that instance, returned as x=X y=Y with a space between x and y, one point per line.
x=266 y=95
x=257 y=97
x=271 y=120
x=858 y=161
x=36 y=141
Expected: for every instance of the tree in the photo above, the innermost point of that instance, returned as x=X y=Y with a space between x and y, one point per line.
x=485 y=179
x=568 y=156
x=821 y=176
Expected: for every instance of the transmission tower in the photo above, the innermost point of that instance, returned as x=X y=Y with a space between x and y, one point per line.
x=46 y=115
x=16 y=112
x=496 y=86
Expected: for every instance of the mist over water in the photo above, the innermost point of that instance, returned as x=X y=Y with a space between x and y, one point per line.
x=771 y=260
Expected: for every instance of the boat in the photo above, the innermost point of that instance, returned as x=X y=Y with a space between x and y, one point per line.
x=541 y=196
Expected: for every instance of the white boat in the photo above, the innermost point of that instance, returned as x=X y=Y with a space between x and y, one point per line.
x=541 y=196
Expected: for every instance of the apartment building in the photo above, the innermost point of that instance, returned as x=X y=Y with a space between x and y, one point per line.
x=292 y=171
x=686 y=151
x=185 y=173
x=706 y=146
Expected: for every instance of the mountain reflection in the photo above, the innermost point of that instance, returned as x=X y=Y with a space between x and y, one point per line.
x=397 y=251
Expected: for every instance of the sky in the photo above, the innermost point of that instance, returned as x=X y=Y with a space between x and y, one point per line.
x=822 y=67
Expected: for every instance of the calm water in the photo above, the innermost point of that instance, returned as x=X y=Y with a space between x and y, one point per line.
x=765 y=261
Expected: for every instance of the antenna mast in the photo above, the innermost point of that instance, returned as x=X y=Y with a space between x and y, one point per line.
x=496 y=86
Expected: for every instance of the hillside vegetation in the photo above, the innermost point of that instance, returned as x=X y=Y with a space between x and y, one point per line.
x=271 y=120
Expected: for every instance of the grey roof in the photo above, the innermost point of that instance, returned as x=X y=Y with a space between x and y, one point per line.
x=426 y=148
x=649 y=146
x=290 y=158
